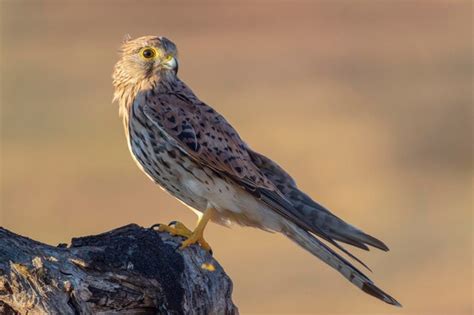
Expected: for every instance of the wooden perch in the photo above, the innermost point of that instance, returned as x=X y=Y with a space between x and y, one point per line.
x=129 y=270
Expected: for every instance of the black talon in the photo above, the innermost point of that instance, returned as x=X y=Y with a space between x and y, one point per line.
x=154 y=226
x=172 y=223
x=210 y=252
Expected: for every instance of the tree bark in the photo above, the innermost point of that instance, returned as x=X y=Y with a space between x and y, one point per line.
x=129 y=270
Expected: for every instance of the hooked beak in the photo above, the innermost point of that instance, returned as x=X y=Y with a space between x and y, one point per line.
x=172 y=64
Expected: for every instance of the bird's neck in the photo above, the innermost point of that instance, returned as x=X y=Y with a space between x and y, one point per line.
x=127 y=90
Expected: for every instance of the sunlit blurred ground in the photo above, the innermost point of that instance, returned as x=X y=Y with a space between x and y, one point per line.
x=367 y=103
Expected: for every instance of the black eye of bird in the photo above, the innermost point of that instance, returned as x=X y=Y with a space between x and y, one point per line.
x=148 y=53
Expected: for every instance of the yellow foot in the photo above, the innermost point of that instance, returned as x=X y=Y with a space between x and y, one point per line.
x=179 y=229
x=194 y=238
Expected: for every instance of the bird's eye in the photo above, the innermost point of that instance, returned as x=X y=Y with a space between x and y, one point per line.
x=148 y=53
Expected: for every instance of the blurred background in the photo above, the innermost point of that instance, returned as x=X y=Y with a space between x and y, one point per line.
x=368 y=104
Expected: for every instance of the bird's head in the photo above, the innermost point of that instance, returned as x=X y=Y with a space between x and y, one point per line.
x=146 y=57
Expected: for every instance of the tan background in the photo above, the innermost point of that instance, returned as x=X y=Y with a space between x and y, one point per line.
x=366 y=103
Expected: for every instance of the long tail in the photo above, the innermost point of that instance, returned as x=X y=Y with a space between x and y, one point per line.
x=326 y=254
x=340 y=230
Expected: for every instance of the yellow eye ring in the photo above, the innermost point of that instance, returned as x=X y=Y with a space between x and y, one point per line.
x=148 y=53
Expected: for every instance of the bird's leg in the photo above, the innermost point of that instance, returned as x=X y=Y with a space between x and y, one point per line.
x=197 y=236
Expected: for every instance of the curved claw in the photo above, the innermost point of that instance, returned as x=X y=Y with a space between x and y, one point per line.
x=156 y=225
x=177 y=228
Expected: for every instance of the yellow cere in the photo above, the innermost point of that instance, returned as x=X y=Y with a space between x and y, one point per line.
x=208 y=267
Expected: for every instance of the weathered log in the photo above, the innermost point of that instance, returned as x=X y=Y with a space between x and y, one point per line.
x=129 y=270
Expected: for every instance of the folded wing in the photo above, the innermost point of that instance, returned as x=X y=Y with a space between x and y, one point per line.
x=205 y=136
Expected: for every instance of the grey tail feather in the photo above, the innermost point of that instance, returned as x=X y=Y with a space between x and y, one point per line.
x=356 y=237
x=349 y=241
x=330 y=257
x=372 y=241
x=340 y=230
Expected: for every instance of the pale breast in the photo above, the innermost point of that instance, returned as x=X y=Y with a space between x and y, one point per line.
x=160 y=160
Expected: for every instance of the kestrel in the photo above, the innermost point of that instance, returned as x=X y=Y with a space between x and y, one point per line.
x=193 y=153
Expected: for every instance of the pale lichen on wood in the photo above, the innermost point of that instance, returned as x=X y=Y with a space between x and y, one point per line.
x=129 y=270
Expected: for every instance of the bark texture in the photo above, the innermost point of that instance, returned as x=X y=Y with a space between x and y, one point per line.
x=129 y=270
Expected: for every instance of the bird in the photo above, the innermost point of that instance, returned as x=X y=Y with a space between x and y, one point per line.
x=192 y=152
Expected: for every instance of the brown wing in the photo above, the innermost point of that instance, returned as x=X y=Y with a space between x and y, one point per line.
x=203 y=134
